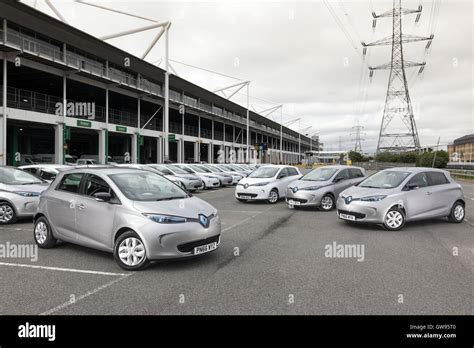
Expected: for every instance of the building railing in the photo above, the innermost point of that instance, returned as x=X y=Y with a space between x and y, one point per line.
x=124 y=118
x=80 y=62
x=34 y=45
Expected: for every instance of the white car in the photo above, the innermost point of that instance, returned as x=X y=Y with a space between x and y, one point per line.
x=46 y=172
x=208 y=179
x=267 y=183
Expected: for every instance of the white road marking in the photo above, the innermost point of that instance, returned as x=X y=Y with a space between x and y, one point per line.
x=87 y=294
x=73 y=270
x=469 y=222
x=245 y=220
x=17 y=229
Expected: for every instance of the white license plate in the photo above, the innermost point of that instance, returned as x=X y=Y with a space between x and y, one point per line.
x=205 y=248
x=245 y=197
x=292 y=202
x=347 y=217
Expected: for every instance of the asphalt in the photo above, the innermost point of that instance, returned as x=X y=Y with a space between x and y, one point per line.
x=271 y=261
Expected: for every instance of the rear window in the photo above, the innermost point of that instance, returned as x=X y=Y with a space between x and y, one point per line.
x=437 y=178
x=356 y=173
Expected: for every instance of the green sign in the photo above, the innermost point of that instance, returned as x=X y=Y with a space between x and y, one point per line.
x=141 y=140
x=67 y=133
x=82 y=123
x=121 y=129
x=172 y=138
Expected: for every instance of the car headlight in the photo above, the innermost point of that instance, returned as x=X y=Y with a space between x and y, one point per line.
x=166 y=219
x=27 y=194
x=373 y=198
x=260 y=184
x=310 y=188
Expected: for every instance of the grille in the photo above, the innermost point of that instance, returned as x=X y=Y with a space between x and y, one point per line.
x=347 y=212
x=301 y=200
x=188 y=247
x=248 y=194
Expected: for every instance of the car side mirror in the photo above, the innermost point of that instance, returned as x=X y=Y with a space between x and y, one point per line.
x=410 y=187
x=281 y=176
x=102 y=196
x=338 y=179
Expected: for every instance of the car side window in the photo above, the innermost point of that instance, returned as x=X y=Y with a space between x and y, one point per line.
x=292 y=171
x=44 y=174
x=418 y=180
x=95 y=184
x=343 y=174
x=356 y=173
x=437 y=178
x=70 y=182
x=283 y=173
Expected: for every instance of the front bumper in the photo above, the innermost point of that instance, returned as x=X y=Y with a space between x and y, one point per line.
x=192 y=185
x=372 y=212
x=24 y=206
x=175 y=241
x=252 y=193
x=305 y=198
x=211 y=182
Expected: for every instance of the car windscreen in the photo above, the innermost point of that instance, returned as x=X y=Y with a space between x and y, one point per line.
x=214 y=169
x=199 y=169
x=227 y=168
x=385 y=179
x=320 y=174
x=264 y=172
x=178 y=170
x=185 y=169
x=147 y=186
x=162 y=170
x=12 y=176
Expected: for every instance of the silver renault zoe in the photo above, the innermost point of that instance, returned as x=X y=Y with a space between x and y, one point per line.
x=137 y=215
x=393 y=196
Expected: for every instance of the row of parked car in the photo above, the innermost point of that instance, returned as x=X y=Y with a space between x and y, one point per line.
x=389 y=197
x=141 y=214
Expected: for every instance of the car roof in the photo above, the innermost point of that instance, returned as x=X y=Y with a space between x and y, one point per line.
x=105 y=170
x=46 y=165
x=416 y=169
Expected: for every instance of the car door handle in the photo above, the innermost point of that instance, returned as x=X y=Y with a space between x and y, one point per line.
x=81 y=206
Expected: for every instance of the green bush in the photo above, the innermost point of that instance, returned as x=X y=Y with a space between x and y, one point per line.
x=426 y=159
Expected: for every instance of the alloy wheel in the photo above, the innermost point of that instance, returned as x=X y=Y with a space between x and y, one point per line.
x=273 y=196
x=327 y=203
x=459 y=212
x=6 y=213
x=394 y=219
x=41 y=232
x=131 y=251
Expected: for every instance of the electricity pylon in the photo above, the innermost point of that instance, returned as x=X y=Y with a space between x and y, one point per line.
x=356 y=130
x=398 y=129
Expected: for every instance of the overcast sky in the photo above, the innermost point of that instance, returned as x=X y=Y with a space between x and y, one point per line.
x=295 y=54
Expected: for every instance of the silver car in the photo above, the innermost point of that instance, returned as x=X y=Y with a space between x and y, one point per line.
x=321 y=186
x=47 y=172
x=189 y=182
x=393 y=196
x=137 y=215
x=19 y=194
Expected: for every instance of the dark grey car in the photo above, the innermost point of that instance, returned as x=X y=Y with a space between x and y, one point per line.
x=320 y=187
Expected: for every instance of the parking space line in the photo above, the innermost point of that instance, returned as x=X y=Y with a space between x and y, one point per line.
x=73 y=270
x=245 y=220
x=16 y=229
x=469 y=222
x=87 y=294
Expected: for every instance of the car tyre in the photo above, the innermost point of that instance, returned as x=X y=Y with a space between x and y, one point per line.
x=394 y=220
x=273 y=196
x=130 y=252
x=7 y=214
x=43 y=234
x=457 y=213
x=327 y=202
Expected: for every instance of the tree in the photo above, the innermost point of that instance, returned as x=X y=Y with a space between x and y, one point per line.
x=355 y=156
x=426 y=159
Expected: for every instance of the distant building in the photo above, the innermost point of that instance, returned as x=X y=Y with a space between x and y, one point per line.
x=325 y=156
x=462 y=149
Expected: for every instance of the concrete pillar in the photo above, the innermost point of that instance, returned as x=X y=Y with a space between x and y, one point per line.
x=3 y=123
x=180 y=148
x=159 y=150
x=209 y=155
x=196 y=151
x=134 y=148
x=59 y=143
x=103 y=144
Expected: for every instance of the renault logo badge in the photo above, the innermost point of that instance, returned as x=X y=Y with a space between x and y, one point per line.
x=246 y=186
x=295 y=189
x=204 y=220
x=348 y=199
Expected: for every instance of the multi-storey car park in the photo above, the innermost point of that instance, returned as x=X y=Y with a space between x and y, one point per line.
x=46 y=61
